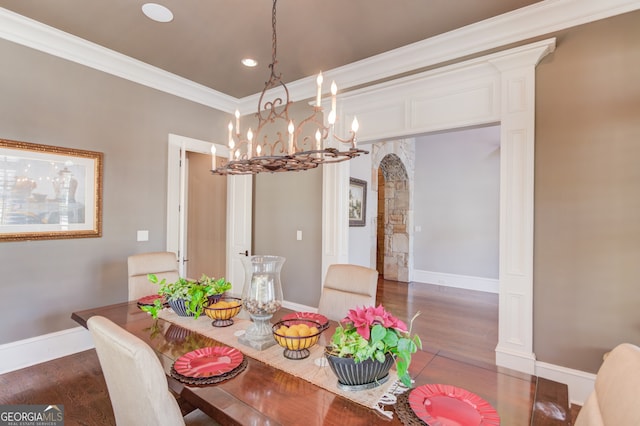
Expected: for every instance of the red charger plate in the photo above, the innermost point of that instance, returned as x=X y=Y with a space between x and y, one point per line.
x=208 y=362
x=148 y=300
x=446 y=405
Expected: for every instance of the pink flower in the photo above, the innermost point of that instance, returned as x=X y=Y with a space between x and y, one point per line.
x=366 y=317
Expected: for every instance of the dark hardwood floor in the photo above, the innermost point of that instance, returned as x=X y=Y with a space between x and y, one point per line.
x=459 y=324
x=74 y=381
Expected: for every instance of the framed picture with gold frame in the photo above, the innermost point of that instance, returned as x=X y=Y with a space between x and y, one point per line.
x=357 y=202
x=48 y=192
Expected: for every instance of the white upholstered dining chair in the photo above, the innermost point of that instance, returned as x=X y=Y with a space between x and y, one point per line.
x=163 y=264
x=614 y=400
x=136 y=381
x=346 y=287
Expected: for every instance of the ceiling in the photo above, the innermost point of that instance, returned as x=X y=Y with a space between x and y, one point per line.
x=207 y=38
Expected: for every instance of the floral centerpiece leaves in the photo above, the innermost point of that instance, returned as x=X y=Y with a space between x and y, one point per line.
x=194 y=293
x=371 y=333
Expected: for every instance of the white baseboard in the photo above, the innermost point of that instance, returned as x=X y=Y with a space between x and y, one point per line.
x=28 y=352
x=580 y=383
x=489 y=285
x=523 y=362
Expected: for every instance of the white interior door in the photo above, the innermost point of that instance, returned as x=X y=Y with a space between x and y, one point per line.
x=239 y=208
x=239 y=189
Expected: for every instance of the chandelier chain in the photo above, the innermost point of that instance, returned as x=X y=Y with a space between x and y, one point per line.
x=274 y=38
x=260 y=152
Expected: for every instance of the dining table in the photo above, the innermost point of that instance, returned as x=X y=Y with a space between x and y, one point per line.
x=263 y=394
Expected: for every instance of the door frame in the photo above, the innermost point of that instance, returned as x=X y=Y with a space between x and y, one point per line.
x=176 y=196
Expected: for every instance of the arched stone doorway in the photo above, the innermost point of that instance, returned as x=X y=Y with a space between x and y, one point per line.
x=395 y=205
x=393 y=166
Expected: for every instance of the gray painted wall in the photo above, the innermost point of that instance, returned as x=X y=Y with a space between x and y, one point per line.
x=587 y=194
x=457 y=200
x=283 y=204
x=52 y=101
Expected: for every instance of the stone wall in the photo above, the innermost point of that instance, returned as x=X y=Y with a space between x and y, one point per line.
x=396 y=210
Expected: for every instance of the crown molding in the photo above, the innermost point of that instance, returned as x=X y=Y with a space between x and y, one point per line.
x=30 y=33
x=532 y=21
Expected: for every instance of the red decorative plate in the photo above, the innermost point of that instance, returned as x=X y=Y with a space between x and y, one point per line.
x=208 y=362
x=148 y=300
x=308 y=315
x=445 y=405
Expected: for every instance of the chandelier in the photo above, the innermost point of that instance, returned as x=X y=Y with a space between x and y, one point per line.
x=267 y=149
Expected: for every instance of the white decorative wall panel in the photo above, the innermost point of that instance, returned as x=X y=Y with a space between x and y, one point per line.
x=514 y=158
x=456 y=109
x=452 y=97
x=517 y=95
x=378 y=118
x=515 y=305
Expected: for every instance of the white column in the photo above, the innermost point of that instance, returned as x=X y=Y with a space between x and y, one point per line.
x=517 y=139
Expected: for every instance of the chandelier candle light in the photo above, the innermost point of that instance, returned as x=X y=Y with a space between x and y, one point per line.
x=267 y=150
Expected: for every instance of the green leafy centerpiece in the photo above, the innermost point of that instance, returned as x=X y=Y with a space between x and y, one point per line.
x=371 y=340
x=216 y=287
x=186 y=297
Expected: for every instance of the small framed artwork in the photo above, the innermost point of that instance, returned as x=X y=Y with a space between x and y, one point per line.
x=357 y=202
x=49 y=192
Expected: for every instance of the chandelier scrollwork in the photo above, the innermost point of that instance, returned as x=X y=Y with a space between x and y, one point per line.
x=268 y=149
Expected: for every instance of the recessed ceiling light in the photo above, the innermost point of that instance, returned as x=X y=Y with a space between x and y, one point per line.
x=248 y=62
x=157 y=12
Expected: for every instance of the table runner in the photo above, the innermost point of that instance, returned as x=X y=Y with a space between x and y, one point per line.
x=309 y=369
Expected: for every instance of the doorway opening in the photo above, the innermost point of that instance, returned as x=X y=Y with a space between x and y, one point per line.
x=237 y=207
x=393 y=217
x=206 y=213
x=380 y=225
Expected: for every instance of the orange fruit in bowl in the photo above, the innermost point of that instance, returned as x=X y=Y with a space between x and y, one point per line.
x=223 y=309
x=296 y=335
x=304 y=331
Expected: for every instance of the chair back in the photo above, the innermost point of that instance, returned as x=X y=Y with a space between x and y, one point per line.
x=163 y=264
x=135 y=378
x=614 y=400
x=346 y=287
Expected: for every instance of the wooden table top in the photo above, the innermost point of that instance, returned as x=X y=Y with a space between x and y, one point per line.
x=265 y=395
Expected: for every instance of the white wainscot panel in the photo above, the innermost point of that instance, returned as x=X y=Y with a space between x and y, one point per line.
x=517 y=95
x=514 y=325
x=448 y=98
x=379 y=118
x=465 y=107
x=515 y=159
